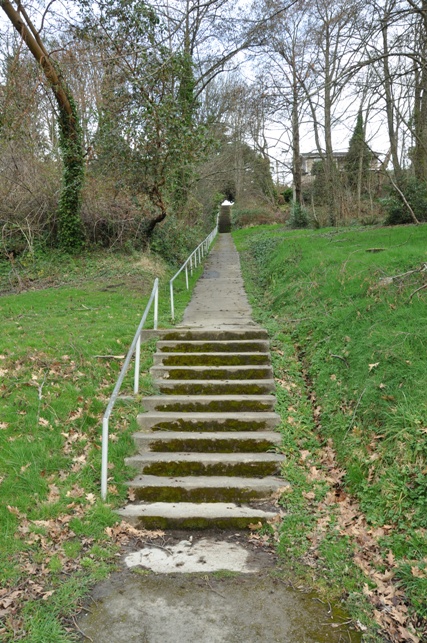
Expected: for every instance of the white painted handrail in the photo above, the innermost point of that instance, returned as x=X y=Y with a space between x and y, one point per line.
x=191 y=263
x=135 y=348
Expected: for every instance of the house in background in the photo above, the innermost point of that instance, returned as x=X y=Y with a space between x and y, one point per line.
x=308 y=159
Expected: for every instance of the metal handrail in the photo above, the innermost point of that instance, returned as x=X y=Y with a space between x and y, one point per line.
x=193 y=260
x=135 y=347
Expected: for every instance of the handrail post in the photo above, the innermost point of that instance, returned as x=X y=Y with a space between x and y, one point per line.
x=172 y=306
x=134 y=349
x=137 y=360
x=104 y=458
x=156 y=307
x=186 y=276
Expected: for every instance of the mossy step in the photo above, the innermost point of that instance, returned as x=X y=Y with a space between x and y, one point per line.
x=211 y=359
x=214 y=387
x=212 y=373
x=204 y=442
x=209 y=403
x=202 y=422
x=207 y=464
x=188 y=515
x=204 y=488
x=213 y=334
x=232 y=346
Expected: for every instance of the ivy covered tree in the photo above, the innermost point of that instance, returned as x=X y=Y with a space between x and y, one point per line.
x=70 y=233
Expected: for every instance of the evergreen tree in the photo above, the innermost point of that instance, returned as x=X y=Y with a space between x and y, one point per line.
x=358 y=159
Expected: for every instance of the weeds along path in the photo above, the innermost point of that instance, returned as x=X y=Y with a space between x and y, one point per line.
x=345 y=310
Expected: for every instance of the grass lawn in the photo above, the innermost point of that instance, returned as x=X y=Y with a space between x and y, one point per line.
x=347 y=313
x=63 y=339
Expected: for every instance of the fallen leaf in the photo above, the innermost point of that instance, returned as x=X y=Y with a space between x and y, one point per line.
x=371 y=366
x=255 y=526
x=417 y=572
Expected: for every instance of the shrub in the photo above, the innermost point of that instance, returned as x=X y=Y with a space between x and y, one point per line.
x=299 y=217
x=397 y=211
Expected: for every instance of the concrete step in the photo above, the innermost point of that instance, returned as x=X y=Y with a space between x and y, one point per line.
x=203 y=442
x=209 y=403
x=212 y=372
x=203 y=488
x=211 y=359
x=227 y=346
x=207 y=464
x=215 y=387
x=203 y=422
x=187 y=515
x=198 y=334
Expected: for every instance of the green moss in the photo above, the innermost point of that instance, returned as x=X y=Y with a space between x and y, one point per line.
x=178 y=494
x=220 y=374
x=177 y=335
x=211 y=359
x=216 y=424
x=228 y=388
x=220 y=406
x=220 y=347
x=159 y=522
x=243 y=469
x=211 y=446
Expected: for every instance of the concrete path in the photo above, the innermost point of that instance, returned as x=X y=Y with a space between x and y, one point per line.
x=219 y=300
x=211 y=586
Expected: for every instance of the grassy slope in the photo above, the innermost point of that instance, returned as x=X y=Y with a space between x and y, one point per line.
x=53 y=391
x=355 y=351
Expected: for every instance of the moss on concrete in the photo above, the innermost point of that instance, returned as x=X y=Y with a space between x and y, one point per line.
x=179 y=494
x=210 y=445
x=240 y=469
x=211 y=425
x=160 y=522
x=210 y=359
x=228 y=388
x=217 y=347
x=180 y=335
x=217 y=406
x=219 y=374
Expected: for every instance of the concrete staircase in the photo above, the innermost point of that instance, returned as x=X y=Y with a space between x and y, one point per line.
x=207 y=452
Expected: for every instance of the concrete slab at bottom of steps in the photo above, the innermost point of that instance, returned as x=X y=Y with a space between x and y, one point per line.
x=188 y=515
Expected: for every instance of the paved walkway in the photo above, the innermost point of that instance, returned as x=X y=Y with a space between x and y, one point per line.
x=219 y=300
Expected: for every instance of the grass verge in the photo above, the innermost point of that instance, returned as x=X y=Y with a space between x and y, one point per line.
x=65 y=333
x=346 y=312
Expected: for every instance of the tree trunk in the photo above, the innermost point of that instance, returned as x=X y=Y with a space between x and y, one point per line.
x=70 y=225
x=330 y=169
x=420 y=103
x=389 y=101
x=296 y=162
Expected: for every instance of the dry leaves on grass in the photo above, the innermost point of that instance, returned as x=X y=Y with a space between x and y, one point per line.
x=388 y=600
x=44 y=540
x=123 y=533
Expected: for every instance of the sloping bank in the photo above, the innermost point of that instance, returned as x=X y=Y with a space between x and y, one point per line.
x=347 y=312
